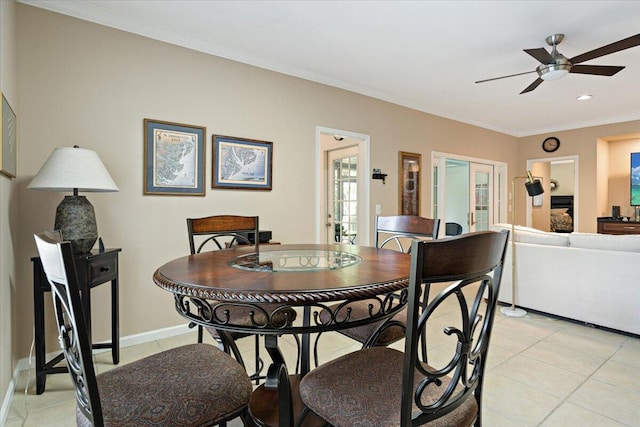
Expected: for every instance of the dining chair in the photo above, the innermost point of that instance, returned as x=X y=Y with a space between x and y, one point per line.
x=222 y=232
x=452 y=229
x=391 y=232
x=191 y=385
x=384 y=386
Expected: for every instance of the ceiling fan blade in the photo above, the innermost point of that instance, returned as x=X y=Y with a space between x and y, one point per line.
x=532 y=86
x=541 y=55
x=598 y=70
x=608 y=49
x=504 y=77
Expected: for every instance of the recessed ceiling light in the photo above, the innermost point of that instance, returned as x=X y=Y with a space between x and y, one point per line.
x=584 y=97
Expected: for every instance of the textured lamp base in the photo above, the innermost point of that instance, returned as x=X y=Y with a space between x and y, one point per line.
x=513 y=312
x=76 y=219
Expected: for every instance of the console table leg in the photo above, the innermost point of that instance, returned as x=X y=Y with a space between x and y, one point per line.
x=38 y=314
x=115 y=327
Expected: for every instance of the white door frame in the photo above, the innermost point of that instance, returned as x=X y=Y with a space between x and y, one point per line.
x=500 y=185
x=364 y=210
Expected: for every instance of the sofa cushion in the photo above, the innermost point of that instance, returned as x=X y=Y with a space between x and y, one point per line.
x=533 y=235
x=607 y=242
x=542 y=238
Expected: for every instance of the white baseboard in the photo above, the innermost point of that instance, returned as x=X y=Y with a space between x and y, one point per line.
x=128 y=341
x=8 y=397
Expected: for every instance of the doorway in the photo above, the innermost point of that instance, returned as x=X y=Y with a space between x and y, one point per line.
x=343 y=190
x=559 y=209
x=342 y=195
x=467 y=191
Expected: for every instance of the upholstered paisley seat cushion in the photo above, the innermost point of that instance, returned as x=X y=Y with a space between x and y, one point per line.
x=241 y=315
x=192 y=385
x=364 y=389
x=360 y=309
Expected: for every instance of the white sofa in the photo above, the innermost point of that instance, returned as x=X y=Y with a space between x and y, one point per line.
x=592 y=278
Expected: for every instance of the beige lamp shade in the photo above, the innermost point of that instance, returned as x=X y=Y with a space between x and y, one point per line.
x=75 y=169
x=69 y=168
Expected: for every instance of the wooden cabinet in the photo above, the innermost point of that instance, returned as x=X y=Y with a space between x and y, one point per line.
x=610 y=226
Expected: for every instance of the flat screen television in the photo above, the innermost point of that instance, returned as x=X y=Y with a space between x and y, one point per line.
x=635 y=179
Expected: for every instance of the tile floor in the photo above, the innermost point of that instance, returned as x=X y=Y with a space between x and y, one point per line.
x=541 y=372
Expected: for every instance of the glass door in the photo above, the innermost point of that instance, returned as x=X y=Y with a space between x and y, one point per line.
x=342 y=196
x=481 y=186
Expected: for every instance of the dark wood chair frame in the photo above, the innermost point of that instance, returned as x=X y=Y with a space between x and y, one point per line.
x=398 y=229
x=225 y=231
x=471 y=259
x=453 y=229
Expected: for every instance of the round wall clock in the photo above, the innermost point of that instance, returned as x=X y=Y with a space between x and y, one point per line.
x=551 y=144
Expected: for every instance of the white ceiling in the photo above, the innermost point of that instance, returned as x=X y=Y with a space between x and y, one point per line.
x=424 y=55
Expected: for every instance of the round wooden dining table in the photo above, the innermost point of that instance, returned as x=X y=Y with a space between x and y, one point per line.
x=315 y=277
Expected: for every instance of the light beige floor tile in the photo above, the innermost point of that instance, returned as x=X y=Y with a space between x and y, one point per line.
x=60 y=415
x=515 y=401
x=596 y=333
x=565 y=358
x=497 y=355
x=584 y=343
x=517 y=335
x=632 y=344
x=620 y=375
x=540 y=375
x=569 y=414
x=494 y=419
x=529 y=327
x=608 y=400
x=629 y=353
x=58 y=389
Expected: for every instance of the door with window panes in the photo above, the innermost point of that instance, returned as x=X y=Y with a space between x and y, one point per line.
x=481 y=194
x=342 y=194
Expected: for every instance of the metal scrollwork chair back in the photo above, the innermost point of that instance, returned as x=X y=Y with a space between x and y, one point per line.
x=468 y=269
x=151 y=391
x=391 y=232
x=222 y=232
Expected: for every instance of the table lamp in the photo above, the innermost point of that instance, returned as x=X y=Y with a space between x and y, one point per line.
x=74 y=169
x=534 y=188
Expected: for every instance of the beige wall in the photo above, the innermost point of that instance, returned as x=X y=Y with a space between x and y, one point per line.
x=85 y=84
x=583 y=143
x=564 y=174
x=8 y=204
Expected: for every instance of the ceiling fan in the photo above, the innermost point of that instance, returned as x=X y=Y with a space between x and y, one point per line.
x=554 y=65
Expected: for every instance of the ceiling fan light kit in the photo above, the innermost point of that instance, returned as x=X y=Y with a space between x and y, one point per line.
x=554 y=65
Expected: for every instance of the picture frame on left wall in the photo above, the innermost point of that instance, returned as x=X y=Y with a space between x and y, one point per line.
x=8 y=137
x=174 y=156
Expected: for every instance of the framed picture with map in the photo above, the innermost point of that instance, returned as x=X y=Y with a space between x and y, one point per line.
x=173 y=158
x=241 y=164
x=8 y=138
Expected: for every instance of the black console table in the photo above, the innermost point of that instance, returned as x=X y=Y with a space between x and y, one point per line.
x=93 y=269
